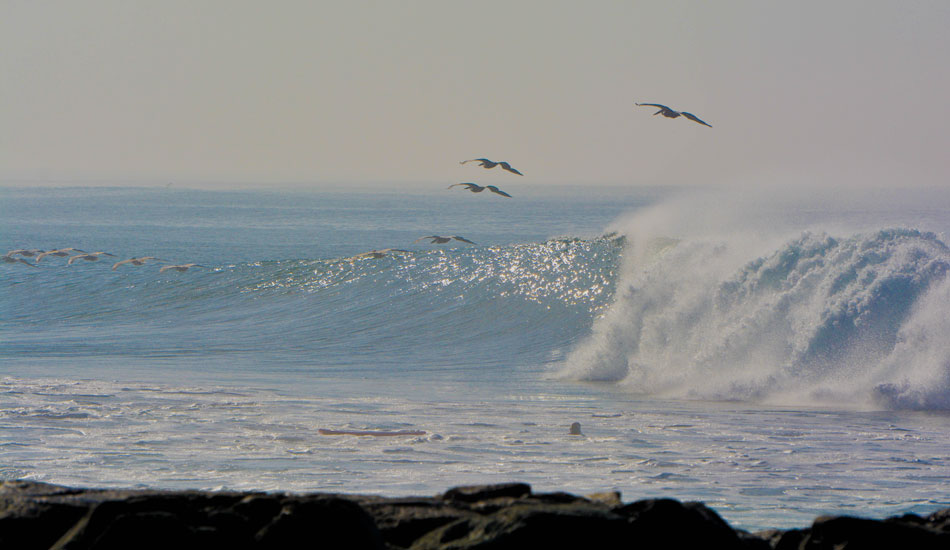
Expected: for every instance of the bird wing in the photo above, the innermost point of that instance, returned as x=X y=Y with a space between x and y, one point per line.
x=74 y=258
x=653 y=105
x=474 y=187
x=45 y=254
x=10 y=259
x=433 y=237
x=168 y=267
x=475 y=160
x=494 y=189
x=117 y=264
x=508 y=167
x=463 y=239
x=694 y=118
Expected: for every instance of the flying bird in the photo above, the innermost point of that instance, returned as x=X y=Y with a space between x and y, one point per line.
x=497 y=191
x=179 y=267
x=670 y=113
x=438 y=239
x=89 y=257
x=376 y=253
x=475 y=188
x=28 y=252
x=58 y=252
x=486 y=164
x=134 y=261
x=11 y=260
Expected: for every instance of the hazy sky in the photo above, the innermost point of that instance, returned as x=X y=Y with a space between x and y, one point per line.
x=308 y=91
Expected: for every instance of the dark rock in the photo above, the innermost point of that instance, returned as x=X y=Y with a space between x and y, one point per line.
x=477 y=493
x=940 y=520
x=610 y=498
x=783 y=540
x=319 y=520
x=531 y=526
x=28 y=519
x=42 y=516
x=402 y=521
x=852 y=533
x=661 y=522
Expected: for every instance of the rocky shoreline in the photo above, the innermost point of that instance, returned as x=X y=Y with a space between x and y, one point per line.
x=42 y=516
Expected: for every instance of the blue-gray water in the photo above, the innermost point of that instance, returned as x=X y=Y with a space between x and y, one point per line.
x=797 y=368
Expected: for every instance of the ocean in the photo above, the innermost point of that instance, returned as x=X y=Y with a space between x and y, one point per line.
x=776 y=354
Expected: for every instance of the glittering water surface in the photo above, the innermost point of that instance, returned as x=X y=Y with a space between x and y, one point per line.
x=778 y=380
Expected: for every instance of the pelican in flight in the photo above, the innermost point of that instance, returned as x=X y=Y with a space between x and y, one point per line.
x=28 y=252
x=59 y=252
x=135 y=261
x=486 y=164
x=179 y=267
x=90 y=257
x=439 y=239
x=376 y=253
x=475 y=188
x=7 y=258
x=670 y=113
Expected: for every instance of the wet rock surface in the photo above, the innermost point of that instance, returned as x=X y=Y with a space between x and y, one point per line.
x=41 y=516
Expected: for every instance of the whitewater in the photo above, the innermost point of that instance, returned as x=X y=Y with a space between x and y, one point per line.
x=775 y=354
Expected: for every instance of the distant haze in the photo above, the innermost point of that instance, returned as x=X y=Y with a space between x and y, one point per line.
x=238 y=92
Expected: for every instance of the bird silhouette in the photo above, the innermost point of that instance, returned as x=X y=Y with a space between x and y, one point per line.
x=376 y=253
x=670 y=113
x=7 y=258
x=134 y=261
x=475 y=188
x=179 y=267
x=438 y=239
x=497 y=191
x=58 y=252
x=487 y=164
x=89 y=257
x=28 y=252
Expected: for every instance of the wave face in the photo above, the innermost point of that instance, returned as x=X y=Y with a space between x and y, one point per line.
x=861 y=319
x=427 y=309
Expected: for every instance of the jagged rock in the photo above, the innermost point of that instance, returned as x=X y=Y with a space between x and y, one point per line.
x=531 y=526
x=660 y=522
x=477 y=493
x=852 y=533
x=318 y=520
x=493 y=517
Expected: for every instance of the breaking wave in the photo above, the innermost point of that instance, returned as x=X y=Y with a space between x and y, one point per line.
x=860 y=319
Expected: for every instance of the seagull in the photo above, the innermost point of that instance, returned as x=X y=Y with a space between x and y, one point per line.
x=376 y=253
x=497 y=191
x=438 y=239
x=58 y=252
x=475 y=188
x=135 y=261
x=28 y=252
x=180 y=267
x=670 y=113
x=91 y=257
x=486 y=164
x=11 y=260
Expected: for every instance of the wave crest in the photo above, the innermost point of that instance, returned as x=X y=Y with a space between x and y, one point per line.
x=819 y=319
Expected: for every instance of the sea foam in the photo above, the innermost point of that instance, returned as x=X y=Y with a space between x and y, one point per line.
x=815 y=317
